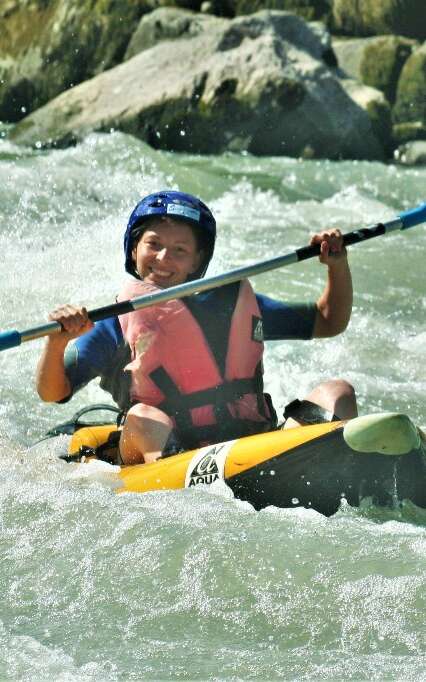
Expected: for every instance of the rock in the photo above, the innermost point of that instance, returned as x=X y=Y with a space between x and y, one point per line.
x=375 y=17
x=376 y=62
x=168 y=23
x=410 y=102
x=411 y=154
x=310 y=10
x=207 y=7
x=376 y=106
x=328 y=56
x=260 y=86
x=408 y=132
x=349 y=54
x=47 y=47
x=382 y=62
x=220 y=8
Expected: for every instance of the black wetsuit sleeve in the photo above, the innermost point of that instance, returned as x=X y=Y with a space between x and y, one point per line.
x=92 y=354
x=286 y=320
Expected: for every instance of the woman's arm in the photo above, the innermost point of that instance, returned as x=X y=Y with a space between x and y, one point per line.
x=51 y=380
x=334 y=306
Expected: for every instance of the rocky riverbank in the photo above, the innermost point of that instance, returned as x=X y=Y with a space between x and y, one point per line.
x=307 y=78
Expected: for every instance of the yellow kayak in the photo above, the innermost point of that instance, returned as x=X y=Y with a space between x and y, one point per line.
x=379 y=456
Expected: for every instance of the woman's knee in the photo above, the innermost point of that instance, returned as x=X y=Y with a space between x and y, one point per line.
x=337 y=396
x=144 y=434
x=339 y=388
x=141 y=411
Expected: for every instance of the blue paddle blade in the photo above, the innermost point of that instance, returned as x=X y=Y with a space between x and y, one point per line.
x=9 y=339
x=414 y=216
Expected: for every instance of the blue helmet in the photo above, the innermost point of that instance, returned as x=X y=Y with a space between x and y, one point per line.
x=179 y=206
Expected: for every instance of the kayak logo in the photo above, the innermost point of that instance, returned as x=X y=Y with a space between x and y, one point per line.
x=208 y=465
x=257 y=329
x=206 y=471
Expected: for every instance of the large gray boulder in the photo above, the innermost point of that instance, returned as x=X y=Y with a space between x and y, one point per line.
x=255 y=83
x=376 y=17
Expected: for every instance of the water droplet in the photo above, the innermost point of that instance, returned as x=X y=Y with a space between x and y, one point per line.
x=272 y=472
x=182 y=133
x=295 y=500
x=23 y=110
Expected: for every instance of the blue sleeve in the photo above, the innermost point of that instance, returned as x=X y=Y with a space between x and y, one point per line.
x=92 y=354
x=286 y=320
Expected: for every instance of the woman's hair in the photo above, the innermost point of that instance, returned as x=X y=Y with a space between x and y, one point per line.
x=200 y=236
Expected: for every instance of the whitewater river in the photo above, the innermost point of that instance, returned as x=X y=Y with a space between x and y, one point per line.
x=194 y=584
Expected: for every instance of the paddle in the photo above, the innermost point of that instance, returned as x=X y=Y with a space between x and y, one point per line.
x=410 y=218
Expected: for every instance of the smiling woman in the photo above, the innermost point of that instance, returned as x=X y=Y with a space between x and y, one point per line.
x=189 y=372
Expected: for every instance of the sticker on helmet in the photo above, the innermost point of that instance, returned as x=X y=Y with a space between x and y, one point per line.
x=186 y=211
x=208 y=464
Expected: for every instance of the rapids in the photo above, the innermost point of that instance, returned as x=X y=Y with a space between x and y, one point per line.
x=195 y=584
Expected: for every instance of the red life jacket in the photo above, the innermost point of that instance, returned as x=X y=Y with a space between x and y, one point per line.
x=199 y=359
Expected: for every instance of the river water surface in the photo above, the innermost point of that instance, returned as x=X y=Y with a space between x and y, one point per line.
x=195 y=584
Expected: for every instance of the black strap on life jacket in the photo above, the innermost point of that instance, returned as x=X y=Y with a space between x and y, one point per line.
x=179 y=406
x=227 y=392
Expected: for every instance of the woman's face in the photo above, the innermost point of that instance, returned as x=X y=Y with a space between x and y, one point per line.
x=167 y=253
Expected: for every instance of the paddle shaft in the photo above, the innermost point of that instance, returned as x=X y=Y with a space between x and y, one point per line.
x=405 y=220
